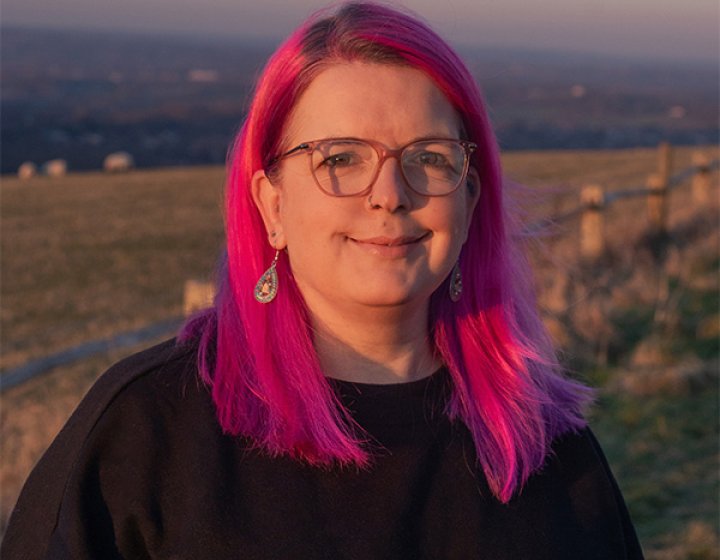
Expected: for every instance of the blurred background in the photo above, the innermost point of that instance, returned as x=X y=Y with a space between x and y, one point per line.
x=115 y=123
x=169 y=80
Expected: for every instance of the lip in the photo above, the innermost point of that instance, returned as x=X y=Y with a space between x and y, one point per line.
x=390 y=247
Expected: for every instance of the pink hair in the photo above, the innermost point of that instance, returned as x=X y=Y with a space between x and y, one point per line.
x=266 y=380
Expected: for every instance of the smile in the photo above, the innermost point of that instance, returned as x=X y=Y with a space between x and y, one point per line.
x=390 y=247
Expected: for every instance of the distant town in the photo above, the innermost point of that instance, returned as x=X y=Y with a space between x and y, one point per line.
x=81 y=97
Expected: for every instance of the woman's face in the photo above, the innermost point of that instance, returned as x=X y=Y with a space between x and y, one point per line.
x=346 y=252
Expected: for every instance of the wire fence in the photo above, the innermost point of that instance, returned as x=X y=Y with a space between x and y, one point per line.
x=595 y=199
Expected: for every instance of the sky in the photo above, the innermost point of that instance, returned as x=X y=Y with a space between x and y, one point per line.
x=671 y=29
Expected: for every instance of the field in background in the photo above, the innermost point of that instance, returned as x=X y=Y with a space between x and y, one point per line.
x=172 y=101
x=90 y=255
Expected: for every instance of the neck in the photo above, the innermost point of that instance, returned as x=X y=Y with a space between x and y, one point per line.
x=382 y=345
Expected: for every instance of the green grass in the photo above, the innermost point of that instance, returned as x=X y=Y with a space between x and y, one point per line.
x=664 y=451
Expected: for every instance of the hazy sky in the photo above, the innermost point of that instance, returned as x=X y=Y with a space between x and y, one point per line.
x=675 y=29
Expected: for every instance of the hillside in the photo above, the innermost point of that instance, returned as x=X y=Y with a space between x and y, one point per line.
x=80 y=95
x=89 y=255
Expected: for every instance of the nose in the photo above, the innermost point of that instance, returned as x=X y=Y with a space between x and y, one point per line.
x=389 y=190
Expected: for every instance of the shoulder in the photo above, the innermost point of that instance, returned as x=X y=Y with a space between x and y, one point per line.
x=119 y=415
x=578 y=481
x=577 y=461
x=146 y=380
x=166 y=369
x=144 y=387
x=577 y=448
x=159 y=364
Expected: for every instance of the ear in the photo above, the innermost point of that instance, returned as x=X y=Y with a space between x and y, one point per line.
x=267 y=198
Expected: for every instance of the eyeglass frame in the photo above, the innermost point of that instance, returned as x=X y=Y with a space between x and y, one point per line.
x=383 y=153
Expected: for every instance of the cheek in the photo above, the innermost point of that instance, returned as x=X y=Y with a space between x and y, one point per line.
x=456 y=218
x=295 y=210
x=310 y=217
x=450 y=231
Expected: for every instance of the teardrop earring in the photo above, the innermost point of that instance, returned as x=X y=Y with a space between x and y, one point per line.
x=266 y=288
x=456 y=286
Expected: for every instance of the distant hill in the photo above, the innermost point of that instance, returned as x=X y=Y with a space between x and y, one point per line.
x=80 y=95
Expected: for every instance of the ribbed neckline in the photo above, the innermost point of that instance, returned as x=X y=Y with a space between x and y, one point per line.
x=404 y=387
x=376 y=406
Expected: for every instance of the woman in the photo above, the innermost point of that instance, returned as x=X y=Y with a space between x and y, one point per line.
x=373 y=380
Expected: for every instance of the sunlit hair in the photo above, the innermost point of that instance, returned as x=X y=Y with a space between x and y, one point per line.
x=266 y=380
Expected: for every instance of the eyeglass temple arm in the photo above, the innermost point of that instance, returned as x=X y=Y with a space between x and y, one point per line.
x=303 y=146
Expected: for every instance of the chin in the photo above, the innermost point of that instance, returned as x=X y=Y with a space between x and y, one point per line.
x=392 y=296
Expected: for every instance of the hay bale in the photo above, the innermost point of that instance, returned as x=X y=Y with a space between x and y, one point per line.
x=118 y=162
x=27 y=170
x=55 y=168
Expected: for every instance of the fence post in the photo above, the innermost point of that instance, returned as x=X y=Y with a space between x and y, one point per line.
x=657 y=203
x=197 y=295
x=592 y=234
x=701 y=180
x=665 y=162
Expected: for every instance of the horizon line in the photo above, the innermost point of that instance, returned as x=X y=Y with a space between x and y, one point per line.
x=273 y=41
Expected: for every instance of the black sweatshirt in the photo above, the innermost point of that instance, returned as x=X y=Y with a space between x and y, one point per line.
x=143 y=470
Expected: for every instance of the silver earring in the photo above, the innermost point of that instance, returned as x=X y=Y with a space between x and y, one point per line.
x=267 y=286
x=456 y=283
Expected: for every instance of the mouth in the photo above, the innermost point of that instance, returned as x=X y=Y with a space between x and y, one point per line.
x=391 y=241
x=390 y=247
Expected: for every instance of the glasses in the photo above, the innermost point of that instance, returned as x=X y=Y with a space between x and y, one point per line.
x=350 y=167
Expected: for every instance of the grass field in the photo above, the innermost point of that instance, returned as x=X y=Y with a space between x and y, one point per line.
x=90 y=255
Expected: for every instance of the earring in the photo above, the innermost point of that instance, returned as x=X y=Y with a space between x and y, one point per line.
x=455 y=283
x=267 y=286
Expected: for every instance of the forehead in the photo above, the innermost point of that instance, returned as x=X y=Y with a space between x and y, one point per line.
x=389 y=103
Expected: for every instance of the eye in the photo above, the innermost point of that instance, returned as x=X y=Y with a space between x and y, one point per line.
x=341 y=154
x=340 y=160
x=436 y=158
x=427 y=159
x=431 y=159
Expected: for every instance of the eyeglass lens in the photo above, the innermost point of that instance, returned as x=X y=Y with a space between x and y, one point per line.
x=346 y=167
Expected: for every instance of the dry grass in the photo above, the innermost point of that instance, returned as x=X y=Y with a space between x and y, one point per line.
x=31 y=416
x=90 y=255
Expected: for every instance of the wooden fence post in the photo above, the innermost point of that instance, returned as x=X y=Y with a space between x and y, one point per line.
x=592 y=229
x=701 y=180
x=198 y=295
x=657 y=202
x=665 y=162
